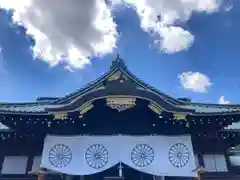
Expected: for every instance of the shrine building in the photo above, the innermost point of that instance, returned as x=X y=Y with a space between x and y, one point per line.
x=119 y=127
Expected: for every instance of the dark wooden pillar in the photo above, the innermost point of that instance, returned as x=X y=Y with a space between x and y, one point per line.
x=200 y=170
x=229 y=166
x=41 y=174
x=2 y=156
x=29 y=163
x=201 y=160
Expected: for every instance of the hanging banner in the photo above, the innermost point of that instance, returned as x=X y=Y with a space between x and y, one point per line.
x=79 y=155
x=85 y=155
x=159 y=155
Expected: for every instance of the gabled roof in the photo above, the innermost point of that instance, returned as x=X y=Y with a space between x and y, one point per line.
x=117 y=68
x=212 y=108
x=117 y=65
x=31 y=107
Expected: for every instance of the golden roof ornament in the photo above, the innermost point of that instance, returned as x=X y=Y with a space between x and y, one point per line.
x=60 y=116
x=179 y=116
x=121 y=103
x=118 y=75
x=155 y=108
x=115 y=76
x=85 y=108
x=118 y=63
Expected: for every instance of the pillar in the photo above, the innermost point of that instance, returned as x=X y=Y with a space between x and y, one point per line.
x=198 y=175
x=200 y=170
x=41 y=176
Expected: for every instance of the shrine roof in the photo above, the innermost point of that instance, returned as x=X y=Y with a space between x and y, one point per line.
x=211 y=108
x=36 y=107
x=119 y=70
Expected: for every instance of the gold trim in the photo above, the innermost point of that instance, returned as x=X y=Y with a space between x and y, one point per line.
x=118 y=75
x=179 y=116
x=115 y=76
x=127 y=76
x=155 y=108
x=85 y=108
x=121 y=103
x=60 y=116
x=125 y=96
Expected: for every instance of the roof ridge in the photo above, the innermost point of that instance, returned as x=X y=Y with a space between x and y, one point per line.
x=117 y=64
x=212 y=104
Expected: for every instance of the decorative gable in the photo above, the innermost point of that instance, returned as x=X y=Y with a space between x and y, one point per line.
x=121 y=103
x=118 y=75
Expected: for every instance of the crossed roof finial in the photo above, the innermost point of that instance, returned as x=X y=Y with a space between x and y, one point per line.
x=118 y=63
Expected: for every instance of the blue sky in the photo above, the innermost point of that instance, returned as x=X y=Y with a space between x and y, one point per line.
x=213 y=57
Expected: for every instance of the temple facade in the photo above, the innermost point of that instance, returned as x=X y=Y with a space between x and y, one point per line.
x=119 y=127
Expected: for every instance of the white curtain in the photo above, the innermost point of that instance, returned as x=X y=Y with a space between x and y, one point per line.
x=14 y=165
x=84 y=155
x=164 y=152
x=80 y=155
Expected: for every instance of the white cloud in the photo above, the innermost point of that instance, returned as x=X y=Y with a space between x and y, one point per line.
x=75 y=30
x=175 y=39
x=159 y=16
x=223 y=101
x=195 y=81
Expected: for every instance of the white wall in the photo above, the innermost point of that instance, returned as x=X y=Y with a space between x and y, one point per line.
x=14 y=165
x=215 y=162
x=36 y=163
x=234 y=160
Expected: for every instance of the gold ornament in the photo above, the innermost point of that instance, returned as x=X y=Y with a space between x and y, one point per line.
x=121 y=103
x=179 y=116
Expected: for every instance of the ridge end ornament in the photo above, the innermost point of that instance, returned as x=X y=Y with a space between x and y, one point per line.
x=121 y=103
